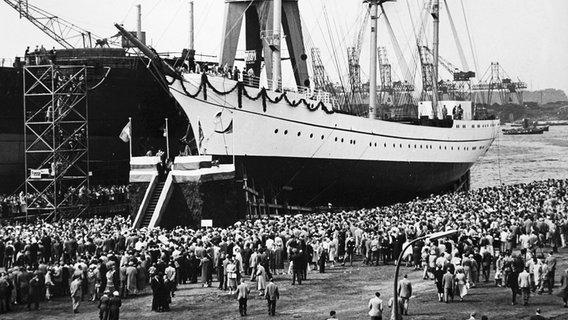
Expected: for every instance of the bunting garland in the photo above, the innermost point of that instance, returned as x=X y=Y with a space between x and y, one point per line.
x=241 y=91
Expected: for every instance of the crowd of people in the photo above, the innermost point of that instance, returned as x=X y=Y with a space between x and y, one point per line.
x=16 y=205
x=501 y=232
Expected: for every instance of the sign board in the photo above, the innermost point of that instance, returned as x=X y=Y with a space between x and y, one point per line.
x=206 y=223
x=250 y=56
x=35 y=174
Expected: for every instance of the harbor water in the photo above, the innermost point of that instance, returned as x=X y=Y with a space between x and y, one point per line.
x=523 y=158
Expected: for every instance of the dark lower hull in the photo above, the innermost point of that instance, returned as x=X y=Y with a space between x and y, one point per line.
x=346 y=183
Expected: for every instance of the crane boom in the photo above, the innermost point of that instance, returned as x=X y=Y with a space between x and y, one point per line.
x=62 y=31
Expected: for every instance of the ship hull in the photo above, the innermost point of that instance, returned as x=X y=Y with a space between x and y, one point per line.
x=346 y=183
x=308 y=156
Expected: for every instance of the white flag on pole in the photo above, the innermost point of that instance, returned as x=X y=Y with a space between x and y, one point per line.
x=126 y=133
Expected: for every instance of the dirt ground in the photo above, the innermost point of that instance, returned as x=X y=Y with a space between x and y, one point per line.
x=346 y=290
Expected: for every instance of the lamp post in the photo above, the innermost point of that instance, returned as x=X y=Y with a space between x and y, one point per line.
x=432 y=236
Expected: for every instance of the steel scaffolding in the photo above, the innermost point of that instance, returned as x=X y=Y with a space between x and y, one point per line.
x=56 y=140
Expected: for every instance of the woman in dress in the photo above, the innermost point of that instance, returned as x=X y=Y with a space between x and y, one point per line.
x=260 y=279
x=461 y=282
x=205 y=271
x=232 y=275
x=333 y=250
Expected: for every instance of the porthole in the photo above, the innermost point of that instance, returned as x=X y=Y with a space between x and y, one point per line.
x=385 y=145
x=414 y=146
x=370 y=144
x=394 y=145
x=409 y=146
x=341 y=140
x=335 y=139
x=276 y=131
x=375 y=144
x=311 y=135
x=299 y=133
x=440 y=147
x=401 y=145
x=420 y=146
x=445 y=147
x=285 y=131
x=452 y=148
x=322 y=136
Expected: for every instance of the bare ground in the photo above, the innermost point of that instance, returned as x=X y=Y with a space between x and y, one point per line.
x=346 y=290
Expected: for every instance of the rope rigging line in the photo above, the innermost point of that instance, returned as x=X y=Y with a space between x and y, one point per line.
x=169 y=24
x=399 y=56
x=471 y=43
x=456 y=38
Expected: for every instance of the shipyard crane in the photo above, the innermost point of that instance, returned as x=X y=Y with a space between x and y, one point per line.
x=459 y=87
x=353 y=54
x=68 y=35
x=496 y=80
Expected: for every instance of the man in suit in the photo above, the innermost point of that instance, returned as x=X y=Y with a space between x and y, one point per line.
x=114 y=304
x=34 y=291
x=551 y=263
x=525 y=285
x=405 y=292
x=271 y=296
x=448 y=285
x=243 y=292
x=103 y=305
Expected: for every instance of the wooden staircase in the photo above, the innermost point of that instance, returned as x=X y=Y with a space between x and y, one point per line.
x=152 y=204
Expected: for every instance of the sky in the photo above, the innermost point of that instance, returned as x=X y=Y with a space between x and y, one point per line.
x=527 y=37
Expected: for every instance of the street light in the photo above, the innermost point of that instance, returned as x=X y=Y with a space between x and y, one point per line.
x=432 y=236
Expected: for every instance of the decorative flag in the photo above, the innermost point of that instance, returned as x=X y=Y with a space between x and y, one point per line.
x=126 y=133
x=201 y=137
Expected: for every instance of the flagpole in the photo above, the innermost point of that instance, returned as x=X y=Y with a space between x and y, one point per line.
x=130 y=140
x=167 y=141
x=233 y=134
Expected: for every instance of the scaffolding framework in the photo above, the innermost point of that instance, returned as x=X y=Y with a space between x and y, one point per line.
x=56 y=140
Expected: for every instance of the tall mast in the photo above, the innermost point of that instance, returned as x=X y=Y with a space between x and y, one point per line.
x=276 y=58
x=436 y=15
x=374 y=4
x=373 y=75
x=191 y=32
x=139 y=23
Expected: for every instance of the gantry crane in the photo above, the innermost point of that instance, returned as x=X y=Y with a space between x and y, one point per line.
x=66 y=34
x=496 y=79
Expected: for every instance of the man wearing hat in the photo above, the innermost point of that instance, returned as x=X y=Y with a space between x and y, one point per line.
x=34 y=291
x=114 y=304
x=104 y=305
